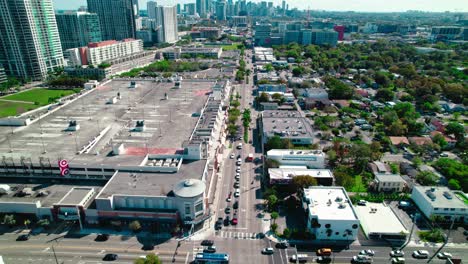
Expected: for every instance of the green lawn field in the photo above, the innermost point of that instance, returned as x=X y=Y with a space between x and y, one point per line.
x=32 y=99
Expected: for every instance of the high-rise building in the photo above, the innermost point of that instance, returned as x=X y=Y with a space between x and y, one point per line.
x=341 y=30
x=151 y=8
x=77 y=29
x=201 y=8
x=325 y=37
x=283 y=7
x=166 y=21
x=221 y=10
x=29 y=39
x=117 y=17
x=262 y=34
x=3 y=77
x=179 y=9
x=189 y=9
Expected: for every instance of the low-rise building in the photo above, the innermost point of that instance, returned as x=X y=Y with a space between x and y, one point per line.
x=285 y=174
x=192 y=52
x=389 y=182
x=287 y=125
x=330 y=214
x=378 y=221
x=313 y=159
x=441 y=202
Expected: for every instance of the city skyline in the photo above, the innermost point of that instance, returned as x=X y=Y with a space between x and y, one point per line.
x=330 y=5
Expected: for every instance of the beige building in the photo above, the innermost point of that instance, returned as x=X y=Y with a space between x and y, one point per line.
x=387 y=182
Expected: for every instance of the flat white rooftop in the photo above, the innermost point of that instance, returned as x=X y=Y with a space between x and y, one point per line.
x=289 y=173
x=329 y=203
x=377 y=218
x=294 y=152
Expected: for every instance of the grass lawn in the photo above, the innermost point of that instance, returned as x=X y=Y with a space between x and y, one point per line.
x=231 y=47
x=358 y=185
x=30 y=97
x=462 y=197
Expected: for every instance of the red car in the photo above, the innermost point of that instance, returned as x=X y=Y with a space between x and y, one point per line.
x=234 y=221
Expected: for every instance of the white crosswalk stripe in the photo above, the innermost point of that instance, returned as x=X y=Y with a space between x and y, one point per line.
x=237 y=235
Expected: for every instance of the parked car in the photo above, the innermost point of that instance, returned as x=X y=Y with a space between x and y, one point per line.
x=236 y=184
x=227 y=210
x=102 y=237
x=282 y=245
x=398 y=260
x=420 y=254
x=234 y=221
x=361 y=259
x=110 y=257
x=367 y=252
x=235 y=205
x=362 y=202
x=268 y=251
x=397 y=253
x=232 y=156
x=237 y=193
x=324 y=252
x=227 y=220
x=23 y=237
x=444 y=255
x=210 y=249
x=324 y=259
x=207 y=243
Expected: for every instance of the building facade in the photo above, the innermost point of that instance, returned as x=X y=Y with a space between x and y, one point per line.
x=313 y=159
x=78 y=29
x=3 y=77
x=189 y=9
x=166 y=22
x=201 y=8
x=27 y=50
x=117 y=17
x=105 y=51
x=330 y=214
x=151 y=8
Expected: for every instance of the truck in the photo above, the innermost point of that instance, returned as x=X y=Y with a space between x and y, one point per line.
x=250 y=158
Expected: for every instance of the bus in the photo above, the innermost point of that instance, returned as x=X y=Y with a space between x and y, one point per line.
x=201 y=258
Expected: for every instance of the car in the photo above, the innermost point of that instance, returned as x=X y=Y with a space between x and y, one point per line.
x=237 y=177
x=110 y=257
x=362 y=202
x=324 y=259
x=443 y=155
x=227 y=210
x=235 y=205
x=23 y=237
x=232 y=156
x=102 y=237
x=268 y=251
x=301 y=258
x=228 y=199
x=238 y=170
x=397 y=253
x=324 y=252
x=367 y=252
x=234 y=221
x=227 y=220
x=209 y=249
x=444 y=255
x=236 y=184
x=398 y=260
x=420 y=254
x=282 y=245
x=361 y=259
x=237 y=193
x=238 y=156
x=207 y=243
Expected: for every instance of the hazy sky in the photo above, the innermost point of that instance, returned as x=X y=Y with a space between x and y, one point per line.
x=337 y=5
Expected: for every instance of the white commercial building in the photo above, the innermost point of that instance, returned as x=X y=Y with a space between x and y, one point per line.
x=330 y=213
x=96 y=53
x=440 y=201
x=284 y=175
x=313 y=159
x=166 y=20
x=378 y=221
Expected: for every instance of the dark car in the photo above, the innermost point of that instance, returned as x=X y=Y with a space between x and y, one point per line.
x=102 y=237
x=22 y=238
x=227 y=210
x=282 y=245
x=110 y=257
x=323 y=259
x=227 y=220
x=207 y=243
x=235 y=205
x=210 y=249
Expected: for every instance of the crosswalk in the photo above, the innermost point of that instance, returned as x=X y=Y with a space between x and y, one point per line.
x=238 y=235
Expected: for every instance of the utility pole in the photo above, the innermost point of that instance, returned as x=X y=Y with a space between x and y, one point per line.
x=55 y=256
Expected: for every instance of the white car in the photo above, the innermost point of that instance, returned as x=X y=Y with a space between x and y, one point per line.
x=232 y=156
x=420 y=254
x=398 y=260
x=397 y=253
x=237 y=193
x=444 y=255
x=367 y=252
x=268 y=251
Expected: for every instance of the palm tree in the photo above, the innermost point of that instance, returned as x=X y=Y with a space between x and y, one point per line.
x=274 y=216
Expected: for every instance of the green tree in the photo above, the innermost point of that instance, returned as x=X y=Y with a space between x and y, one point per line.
x=384 y=95
x=149 y=259
x=286 y=233
x=454 y=184
x=272 y=201
x=439 y=139
x=456 y=129
x=27 y=222
x=263 y=98
x=9 y=220
x=44 y=223
x=426 y=178
x=338 y=89
x=268 y=67
x=135 y=226
x=300 y=182
x=274 y=227
x=274 y=216
x=297 y=71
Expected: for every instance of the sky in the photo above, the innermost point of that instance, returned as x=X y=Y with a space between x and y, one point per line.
x=330 y=5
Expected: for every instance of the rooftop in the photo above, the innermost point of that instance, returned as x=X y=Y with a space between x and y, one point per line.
x=283 y=152
x=152 y=184
x=288 y=124
x=440 y=197
x=168 y=123
x=330 y=203
x=388 y=177
x=78 y=195
x=289 y=173
x=377 y=218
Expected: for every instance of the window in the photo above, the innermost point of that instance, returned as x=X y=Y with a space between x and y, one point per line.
x=327 y=226
x=199 y=207
x=187 y=209
x=452 y=209
x=446 y=209
x=436 y=209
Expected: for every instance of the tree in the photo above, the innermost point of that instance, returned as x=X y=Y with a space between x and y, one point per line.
x=382 y=79
x=274 y=216
x=426 y=178
x=454 y=184
x=397 y=128
x=235 y=103
x=286 y=233
x=456 y=129
x=277 y=97
x=456 y=92
x=135 y=226
x=274 y=227
x=26 y=223
x=303 y=181
x=384 y=95
x=268 y=67
x=338 y=89
x=263 y=98
x=43 y=222
x=272 y=201
x=439 y=139
x=149 y=259
x=297 y=71
x=9 y=220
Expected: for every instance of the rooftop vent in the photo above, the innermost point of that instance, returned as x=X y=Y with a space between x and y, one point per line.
x=342 y=206
x=448 y=195
x=431 y=195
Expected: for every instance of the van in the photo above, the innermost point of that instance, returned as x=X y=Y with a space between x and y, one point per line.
x=299 y=257
x=324 y=252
